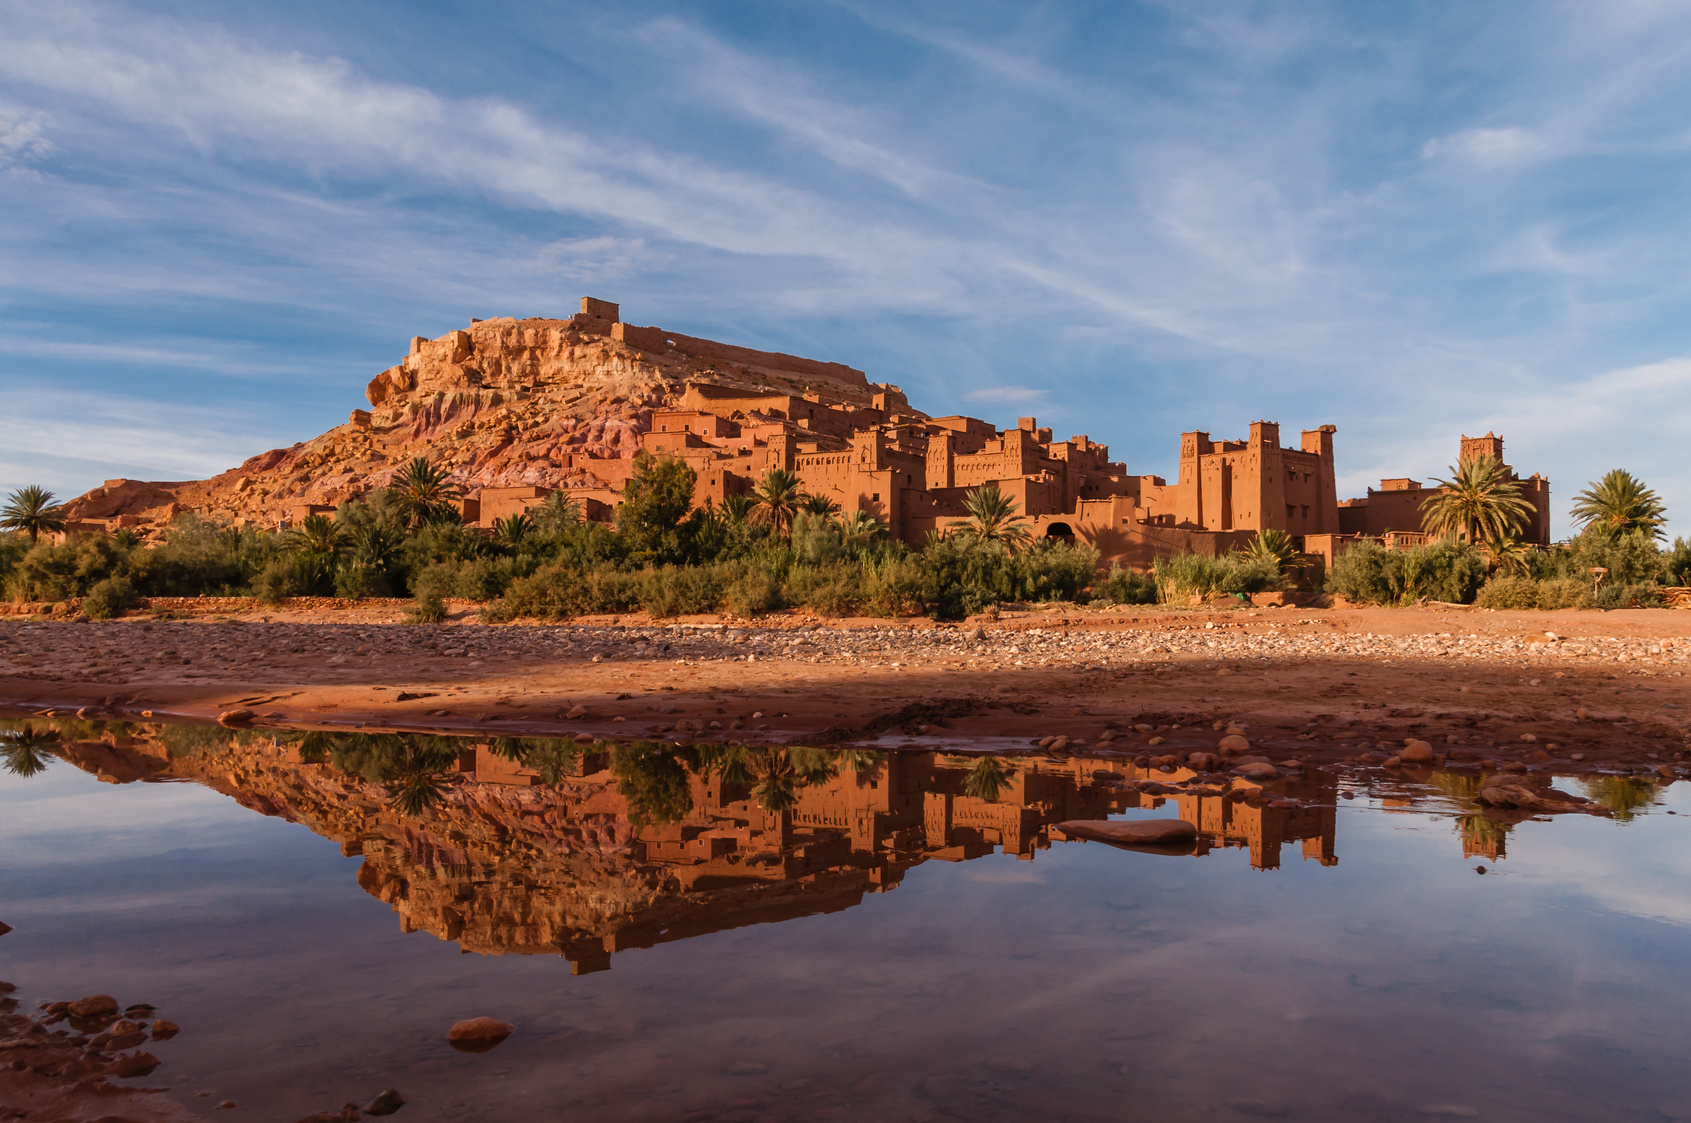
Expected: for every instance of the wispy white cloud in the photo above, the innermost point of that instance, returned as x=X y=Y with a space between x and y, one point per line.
x=1488 y=148
x=1006 y=394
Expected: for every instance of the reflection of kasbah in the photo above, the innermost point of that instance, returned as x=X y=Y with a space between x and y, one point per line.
x=505 y=863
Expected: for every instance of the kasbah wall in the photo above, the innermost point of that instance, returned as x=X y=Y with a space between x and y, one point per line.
x=913 y=472
x=519 y=408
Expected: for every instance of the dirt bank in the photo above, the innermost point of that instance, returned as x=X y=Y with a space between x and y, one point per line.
x=1586 y=689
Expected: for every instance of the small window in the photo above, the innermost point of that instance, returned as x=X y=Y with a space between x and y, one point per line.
x=875 y=498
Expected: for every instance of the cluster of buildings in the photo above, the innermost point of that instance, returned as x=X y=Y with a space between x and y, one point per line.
x=913 y=472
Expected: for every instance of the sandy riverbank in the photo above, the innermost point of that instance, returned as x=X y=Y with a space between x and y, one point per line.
x=1320 y=684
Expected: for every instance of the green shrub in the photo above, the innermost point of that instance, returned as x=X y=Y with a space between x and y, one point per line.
x=1123 y=586
x=753 y=591
x=428 y=608
x=1053 y=570
x=283 y=578
x=1564 y=592
x=830 y=590
x=1369 y=573
x=1508 y=592
x=1181 y=576
x=1629 y=596
x=356 y=581
x=69 y=569
x=109 y=598
x=677 y=591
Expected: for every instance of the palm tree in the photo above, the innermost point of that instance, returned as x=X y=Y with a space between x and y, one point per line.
x=1273 y=545
x=30 y=509
x=1479 y=501
x=1505 y=552
x=512 y=529
x=737 y=509
x=26 y=751
x=558 y=513
x=319 y=537
x=1621 y=502
x=821 y=505
x=992 y=518
x=424 y=493
x=776 y=499
x=861 y=531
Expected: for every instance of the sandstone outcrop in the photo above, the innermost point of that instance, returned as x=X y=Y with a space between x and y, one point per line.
x=504 y=403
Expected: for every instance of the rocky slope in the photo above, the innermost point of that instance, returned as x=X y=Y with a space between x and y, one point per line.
x=503 y=403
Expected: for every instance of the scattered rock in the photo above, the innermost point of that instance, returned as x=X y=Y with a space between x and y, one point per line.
x=478 y=1035
x=164 y=1030
x=242 y=716
x=1233 y=744
x=1416 y=752
x=1259 y=770
x=576 y=712
x=94 y=1006
x=386 y=1103
x=131 y=1065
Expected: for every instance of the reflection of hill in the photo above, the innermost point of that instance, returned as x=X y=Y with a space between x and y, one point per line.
x=507 y=864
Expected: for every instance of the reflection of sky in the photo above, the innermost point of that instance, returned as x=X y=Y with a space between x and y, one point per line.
x=1091 y=983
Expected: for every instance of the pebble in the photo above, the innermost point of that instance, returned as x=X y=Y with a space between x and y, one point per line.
x=94 y=1006
x=386 y=1103
x=1233 y=744
x=1416 y=752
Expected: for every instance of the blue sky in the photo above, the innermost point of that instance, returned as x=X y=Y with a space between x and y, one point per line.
x=1411 y=220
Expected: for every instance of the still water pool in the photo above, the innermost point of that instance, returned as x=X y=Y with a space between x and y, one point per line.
x=816 y=935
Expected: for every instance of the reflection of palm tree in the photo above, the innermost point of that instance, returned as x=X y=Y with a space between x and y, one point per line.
x=26 y=751
x=775 y=788
x=859 y=761
x=1621 y=794
x=987 y=777
x=813 y=766
x=418 y=776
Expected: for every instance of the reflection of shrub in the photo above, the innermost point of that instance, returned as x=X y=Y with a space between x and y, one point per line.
x=1508 y=592
x=109 y=598
x=192 y=740
x=654 y=781
x=1123 y=586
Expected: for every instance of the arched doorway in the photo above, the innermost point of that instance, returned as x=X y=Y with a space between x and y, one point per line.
x=1063 y=532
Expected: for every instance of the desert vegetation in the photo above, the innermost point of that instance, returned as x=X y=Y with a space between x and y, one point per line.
x=779 y=548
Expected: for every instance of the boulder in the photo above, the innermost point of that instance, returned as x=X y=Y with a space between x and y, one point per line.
x=1260 y=770
x=133 y=1064
x=1233 y=744
x=1416 y=752
x=1137 y=832
x=94 y=1006
x=478 y=1035
x=387 y=1103
x=242 y=716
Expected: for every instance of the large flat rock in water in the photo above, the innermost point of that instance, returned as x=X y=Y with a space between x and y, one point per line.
x=1137 y=832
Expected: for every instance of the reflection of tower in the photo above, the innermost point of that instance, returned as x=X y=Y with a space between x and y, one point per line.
x=1264 y=830
x=1483 y=838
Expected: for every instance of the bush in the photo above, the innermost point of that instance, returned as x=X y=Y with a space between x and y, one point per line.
x=1629 y=596
x=70 y=569
x=284 y=578
x=428 y=608
x=109 y=598
x=1123 y=586
x=1053 y=570
x=675 y=591
x=1186 y=575
x=832 y=590
x=753 y=592
x=1371 y=574
x=1508 y=592
x=357 y=581
x=1564 y=592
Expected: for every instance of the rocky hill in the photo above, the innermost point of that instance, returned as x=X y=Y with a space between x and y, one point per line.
x=502 y=403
